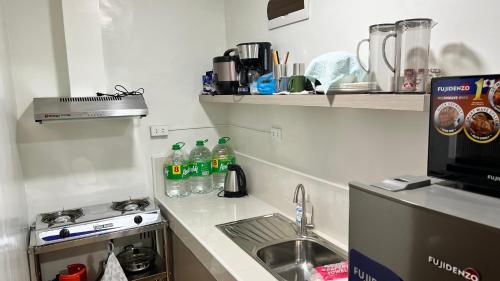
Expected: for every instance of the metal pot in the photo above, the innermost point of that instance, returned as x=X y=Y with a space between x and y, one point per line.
x=226 y=70
x=136 y=259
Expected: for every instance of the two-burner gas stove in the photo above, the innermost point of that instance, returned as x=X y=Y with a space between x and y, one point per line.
x=71 y=224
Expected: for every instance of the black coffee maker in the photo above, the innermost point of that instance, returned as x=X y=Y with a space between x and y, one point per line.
x=256 y=60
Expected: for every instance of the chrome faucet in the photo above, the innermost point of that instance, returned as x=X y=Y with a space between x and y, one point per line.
x=303 y=220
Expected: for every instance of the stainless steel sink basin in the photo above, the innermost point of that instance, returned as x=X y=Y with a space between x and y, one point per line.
x=273 y=242
x=292 y=260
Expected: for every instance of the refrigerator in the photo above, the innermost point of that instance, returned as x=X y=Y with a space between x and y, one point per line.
x=434 y=233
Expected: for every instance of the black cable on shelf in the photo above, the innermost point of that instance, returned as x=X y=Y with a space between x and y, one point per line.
x=121 y=91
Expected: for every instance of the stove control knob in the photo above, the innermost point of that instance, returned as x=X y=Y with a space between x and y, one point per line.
x=64 y=233
x=138 y=219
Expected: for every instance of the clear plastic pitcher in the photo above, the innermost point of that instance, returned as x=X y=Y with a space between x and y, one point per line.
x=380 y=77
x=413 y=37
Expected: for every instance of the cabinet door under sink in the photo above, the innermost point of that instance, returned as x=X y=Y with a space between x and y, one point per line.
x=186 y=266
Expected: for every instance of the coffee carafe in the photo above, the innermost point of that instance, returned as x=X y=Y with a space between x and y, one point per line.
x=411 y=56
x=255 y=59
x=381 y=77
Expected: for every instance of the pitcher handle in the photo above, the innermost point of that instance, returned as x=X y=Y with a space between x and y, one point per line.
x=384 y=54
x=357 y=54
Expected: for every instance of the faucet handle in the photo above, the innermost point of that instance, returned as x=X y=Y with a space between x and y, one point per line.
x=310 y=225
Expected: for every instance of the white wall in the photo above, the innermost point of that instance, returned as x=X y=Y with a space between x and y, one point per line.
x=161 y=46
x=330 y=147
x=13 y=208
x=340 y=25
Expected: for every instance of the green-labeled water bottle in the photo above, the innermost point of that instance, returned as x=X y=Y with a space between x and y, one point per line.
x=200 y=165
x=177 y=172
x=222 y=156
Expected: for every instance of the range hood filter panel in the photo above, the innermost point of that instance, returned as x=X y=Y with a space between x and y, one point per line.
x=68 y=108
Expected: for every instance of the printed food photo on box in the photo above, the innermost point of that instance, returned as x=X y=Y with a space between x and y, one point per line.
x=467 y=104
x=464 y=129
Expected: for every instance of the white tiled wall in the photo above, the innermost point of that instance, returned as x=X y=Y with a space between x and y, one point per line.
x=325 y=149
x=337 y=145
x=276 y=184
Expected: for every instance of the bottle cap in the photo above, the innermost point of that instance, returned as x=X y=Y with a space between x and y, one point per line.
x=223 y=140
x=201 y=142
x=178 y=146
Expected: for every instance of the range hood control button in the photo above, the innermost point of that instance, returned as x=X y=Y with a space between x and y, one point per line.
x=138 y=219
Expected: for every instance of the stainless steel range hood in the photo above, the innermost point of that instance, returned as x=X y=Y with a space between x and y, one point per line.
x=70 y=108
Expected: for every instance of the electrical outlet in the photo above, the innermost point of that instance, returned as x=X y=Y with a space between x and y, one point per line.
x=159 y=131
x=276 y=135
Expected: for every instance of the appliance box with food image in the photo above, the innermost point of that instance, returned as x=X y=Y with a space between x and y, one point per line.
x=464 y=142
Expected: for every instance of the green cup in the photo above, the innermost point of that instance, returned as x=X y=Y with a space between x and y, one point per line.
x=297 y=83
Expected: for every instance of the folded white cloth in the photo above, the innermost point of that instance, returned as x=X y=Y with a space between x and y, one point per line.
x=114 y=271
x=333 y=69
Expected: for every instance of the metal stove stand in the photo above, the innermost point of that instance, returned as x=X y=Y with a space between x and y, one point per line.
x=162 y=269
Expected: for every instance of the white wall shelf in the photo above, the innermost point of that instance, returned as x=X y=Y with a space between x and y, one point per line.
x=401 y=102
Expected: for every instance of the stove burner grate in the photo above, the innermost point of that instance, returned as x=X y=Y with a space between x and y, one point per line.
x=130 y=205
x=63 y=216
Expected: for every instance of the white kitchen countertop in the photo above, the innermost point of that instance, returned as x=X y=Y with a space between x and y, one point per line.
x=199 y=214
